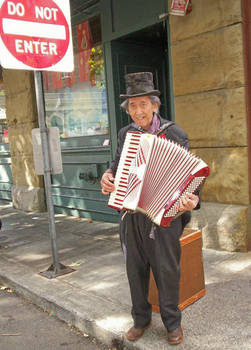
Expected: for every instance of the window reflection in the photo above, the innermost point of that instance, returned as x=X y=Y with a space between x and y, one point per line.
x=76 y=102
x=3 y=123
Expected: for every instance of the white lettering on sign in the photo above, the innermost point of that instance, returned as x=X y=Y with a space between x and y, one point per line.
x=15 y=8
x=37 y=47
x=46 y=13
x=36 y=34
x=50 y=31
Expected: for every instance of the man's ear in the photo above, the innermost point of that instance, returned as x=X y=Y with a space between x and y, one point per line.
x=156 y=107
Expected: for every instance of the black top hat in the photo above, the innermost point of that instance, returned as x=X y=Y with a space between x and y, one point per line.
x=139 y=84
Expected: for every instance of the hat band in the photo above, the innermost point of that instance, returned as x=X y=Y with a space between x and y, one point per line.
x=135 y=91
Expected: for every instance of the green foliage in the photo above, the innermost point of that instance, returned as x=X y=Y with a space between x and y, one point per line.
x=96 y=66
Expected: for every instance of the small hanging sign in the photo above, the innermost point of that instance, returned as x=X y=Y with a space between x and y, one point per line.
x=180 y=7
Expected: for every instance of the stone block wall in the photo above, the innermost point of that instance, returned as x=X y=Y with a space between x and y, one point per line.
x=209 y=97
x=21 y=112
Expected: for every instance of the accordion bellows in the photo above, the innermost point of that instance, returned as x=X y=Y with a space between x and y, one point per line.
x=153 y=175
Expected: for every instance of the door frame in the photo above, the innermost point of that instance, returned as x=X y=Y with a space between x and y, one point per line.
x=111 y=84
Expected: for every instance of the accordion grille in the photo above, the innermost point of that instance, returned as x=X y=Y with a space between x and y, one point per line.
x=166 y=167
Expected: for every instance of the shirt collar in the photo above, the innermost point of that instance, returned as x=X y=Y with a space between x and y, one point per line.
x=155 y=124
x=153 y=127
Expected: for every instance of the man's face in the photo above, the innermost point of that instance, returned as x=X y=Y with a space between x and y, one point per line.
x=141 y=111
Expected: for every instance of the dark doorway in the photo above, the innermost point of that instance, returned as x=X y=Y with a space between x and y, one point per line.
x=145 y=50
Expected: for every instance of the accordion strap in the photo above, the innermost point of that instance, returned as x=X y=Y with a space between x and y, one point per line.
x=160 y=130
x=164 y=127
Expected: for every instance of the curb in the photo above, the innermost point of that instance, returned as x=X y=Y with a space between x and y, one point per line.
x=67 y=311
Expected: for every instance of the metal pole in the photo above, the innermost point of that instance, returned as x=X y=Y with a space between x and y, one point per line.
x=47 y=166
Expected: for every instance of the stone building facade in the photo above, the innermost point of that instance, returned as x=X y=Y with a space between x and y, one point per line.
x=21 y=113
x=208 y=57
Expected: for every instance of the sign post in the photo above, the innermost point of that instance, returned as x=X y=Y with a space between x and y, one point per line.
x=56 y=269
x=36 y=35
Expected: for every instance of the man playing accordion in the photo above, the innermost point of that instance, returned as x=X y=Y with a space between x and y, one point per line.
x=145 y=244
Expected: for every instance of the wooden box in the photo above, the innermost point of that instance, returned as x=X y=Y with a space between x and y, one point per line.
x=192 y=284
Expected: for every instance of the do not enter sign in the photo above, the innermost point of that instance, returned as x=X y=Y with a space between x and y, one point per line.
x=36 y=34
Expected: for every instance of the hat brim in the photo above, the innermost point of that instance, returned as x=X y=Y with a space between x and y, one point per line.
x=147 y=93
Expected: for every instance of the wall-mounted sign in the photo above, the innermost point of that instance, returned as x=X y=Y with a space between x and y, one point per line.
x=36 y=35
x=180 y=7
x=54 y=151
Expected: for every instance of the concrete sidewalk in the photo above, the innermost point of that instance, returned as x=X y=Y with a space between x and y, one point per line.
x=95 y=298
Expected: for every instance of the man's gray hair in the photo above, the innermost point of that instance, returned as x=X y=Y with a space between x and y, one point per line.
x=154 y=99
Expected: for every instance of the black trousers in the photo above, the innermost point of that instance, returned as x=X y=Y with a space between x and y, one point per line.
x=162 y=254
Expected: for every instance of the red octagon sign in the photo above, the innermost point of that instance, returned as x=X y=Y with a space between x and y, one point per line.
x=35 y=32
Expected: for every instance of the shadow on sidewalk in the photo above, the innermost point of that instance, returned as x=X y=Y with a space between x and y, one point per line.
x=95 y=298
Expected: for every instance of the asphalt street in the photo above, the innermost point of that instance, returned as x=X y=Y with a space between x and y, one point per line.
x=24 y=326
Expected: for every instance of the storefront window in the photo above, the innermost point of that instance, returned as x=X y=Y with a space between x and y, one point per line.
x=76 y=102
x=3 y=123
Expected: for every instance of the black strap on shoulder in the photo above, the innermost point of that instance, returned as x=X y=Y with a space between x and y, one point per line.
x=164 y=127
x=161 y=129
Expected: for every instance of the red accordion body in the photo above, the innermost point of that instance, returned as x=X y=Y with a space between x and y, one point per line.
x=153 y=175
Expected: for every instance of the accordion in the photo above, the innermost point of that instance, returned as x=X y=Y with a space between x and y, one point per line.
x=153 y=175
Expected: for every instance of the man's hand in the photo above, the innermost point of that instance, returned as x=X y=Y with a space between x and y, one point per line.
x=189 y=202
x=107 y=183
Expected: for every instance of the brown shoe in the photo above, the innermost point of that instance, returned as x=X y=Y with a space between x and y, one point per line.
x=175 y=337
x=134 y=334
